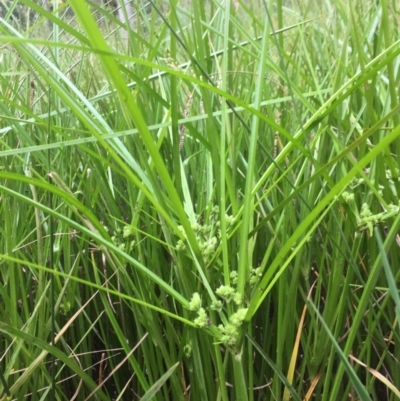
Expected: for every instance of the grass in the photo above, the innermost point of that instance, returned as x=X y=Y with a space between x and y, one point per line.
x=206 y=209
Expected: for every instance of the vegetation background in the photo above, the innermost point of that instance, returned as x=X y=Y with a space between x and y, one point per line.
x=199 y=200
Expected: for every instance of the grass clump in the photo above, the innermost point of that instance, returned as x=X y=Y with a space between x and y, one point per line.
x=202 y=203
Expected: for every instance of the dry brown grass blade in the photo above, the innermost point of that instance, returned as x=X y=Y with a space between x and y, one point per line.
x=379 y=376
x=293 y=359
x=117 y=367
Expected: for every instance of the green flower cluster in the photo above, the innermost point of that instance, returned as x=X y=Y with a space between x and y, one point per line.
x=391 y=176
x=348 y=197
x=187 y=350
x=255 y=275
x=207 y=235
x=229 y=332
x=228 y=294
x=116 y=239
x=128 y=231
x=365 y=219
x=65 y=307
x=195 y=305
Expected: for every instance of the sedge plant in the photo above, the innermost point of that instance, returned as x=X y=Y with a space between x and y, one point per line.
x=199 y=200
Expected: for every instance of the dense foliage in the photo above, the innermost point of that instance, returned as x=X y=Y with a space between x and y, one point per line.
x=201 y=204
